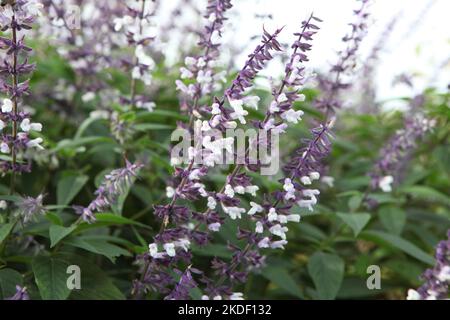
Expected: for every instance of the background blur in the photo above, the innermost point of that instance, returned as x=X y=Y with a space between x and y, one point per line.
x=419 y=43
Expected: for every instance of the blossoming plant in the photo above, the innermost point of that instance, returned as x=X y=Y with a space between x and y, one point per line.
x=173 y=175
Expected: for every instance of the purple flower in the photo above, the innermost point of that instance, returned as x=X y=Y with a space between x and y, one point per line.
x=437 y=279
x=15 y=18
x=394 y=156
x=29 y=208
x=114 y=185
x=21 y=294
x=333 y=84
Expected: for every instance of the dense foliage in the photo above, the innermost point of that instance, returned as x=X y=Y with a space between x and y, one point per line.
x=105 y=195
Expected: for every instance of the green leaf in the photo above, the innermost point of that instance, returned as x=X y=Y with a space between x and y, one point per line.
x=95 y=284
x=283 y=279
x=51 y=276
x=152 y=126
x=57 y=233
x=356 y=221
x=327 y=272
x=393 y=219
x=5 y=230
x=355 y=202
x=68 y=187
x=384 y=238
x=427 y=194
x=98 y=246
x=9 y=278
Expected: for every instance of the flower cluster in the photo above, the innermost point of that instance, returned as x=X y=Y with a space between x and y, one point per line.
x=115 y=184
x=139 y=30
x=171 y=246
x=15 y=124
x=201 y=68
x=394 y=155
x=437 y=279
x=331 y=85
x=29 y=208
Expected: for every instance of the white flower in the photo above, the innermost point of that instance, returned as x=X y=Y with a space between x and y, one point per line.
x=289 y=188
x=7 y=106
x=239 y=189
x=35 y=143
x=259 y=227
x=186 y=73
x=413 y=295
x=251 y=190
x=274 y=107
x=305 y=180
x=329 y=181
x=278 y=244
x=205 y=126
x=33 y=8
x=254 y=208
x=149 y=106
x=233 y=212
x=195 y=174
x=4 y=148
x=272 y=216
x=88 y=96
x=282 y=219
x=2 y=125
x=301 y=97
x=143 y=58
x=237 y=296
x=215 y=108
x=3 y=205
x=293 y=217
x=444 y=274
x=204 y=77
x=264 y=243
x=217 y=146
x=251 y=102
x=217 y=298
x=205 y=297
x=292 y=116
x=119 y=23
x=190 y=61
x=239 y=112
x=229 y=192
x=201 y=63
x=153 y=249
x=314 y=175
x=170 y=192
x=385 y=183
x=170 y=249
x=183 y=244
x=215 y=37
x=26 y=126
x=282 y=98
x=214 y=226
x=175 y=161
x=212 y=203
x=309 y=203
x=279 y=230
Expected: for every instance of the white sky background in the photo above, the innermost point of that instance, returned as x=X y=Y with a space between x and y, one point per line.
x=411 y=48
